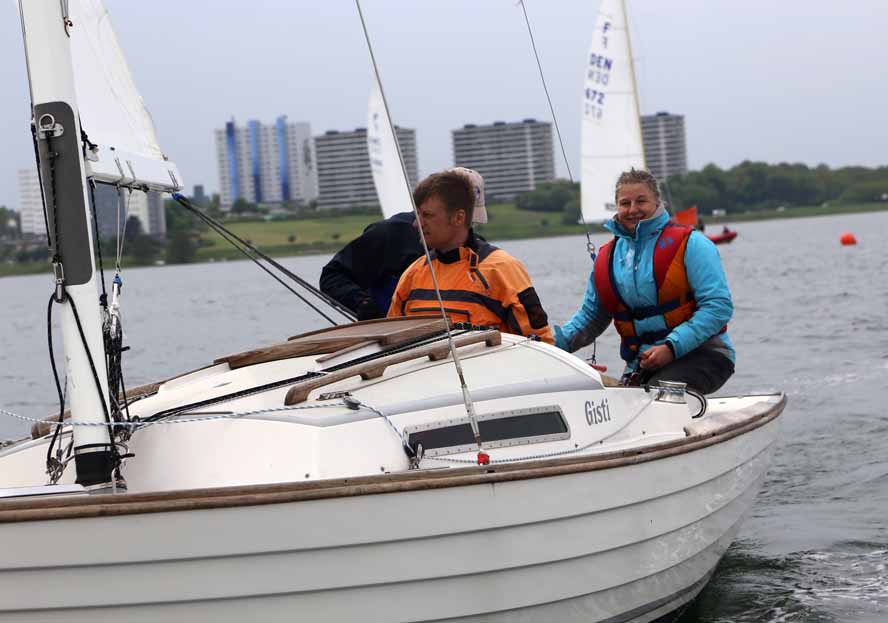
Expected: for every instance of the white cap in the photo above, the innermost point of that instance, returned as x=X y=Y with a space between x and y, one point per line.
x=479 y=212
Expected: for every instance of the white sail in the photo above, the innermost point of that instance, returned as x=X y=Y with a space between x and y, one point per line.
x=388 y=176
x=112 y=112
x=611 y=135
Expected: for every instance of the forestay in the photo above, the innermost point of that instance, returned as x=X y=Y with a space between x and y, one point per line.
x=388 y=176
x=112 y=112
x=611 y=134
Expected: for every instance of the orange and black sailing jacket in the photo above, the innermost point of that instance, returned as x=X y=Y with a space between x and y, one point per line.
x=480 y=284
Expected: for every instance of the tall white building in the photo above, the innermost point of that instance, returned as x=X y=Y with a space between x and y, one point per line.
x=266 y=164
x=345 y=179
x=512 y=157
x=665 y=145
x=148 y=208
x=31 y=203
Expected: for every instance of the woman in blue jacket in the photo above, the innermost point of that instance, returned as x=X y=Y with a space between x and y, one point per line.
x=664 y=287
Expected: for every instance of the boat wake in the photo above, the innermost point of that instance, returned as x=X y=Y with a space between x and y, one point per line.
x=845 y=583
x=852 y=580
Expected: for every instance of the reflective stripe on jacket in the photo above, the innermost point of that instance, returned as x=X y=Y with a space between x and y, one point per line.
x=480 y=284
x=635 y=281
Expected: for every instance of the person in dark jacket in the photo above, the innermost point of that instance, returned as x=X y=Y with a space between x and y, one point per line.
x=363 y=275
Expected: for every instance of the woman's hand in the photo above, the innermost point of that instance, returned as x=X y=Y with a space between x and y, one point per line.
x=655 y=357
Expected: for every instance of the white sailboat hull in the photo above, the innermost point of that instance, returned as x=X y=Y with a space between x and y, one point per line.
x=627 y=542
x=332 y=477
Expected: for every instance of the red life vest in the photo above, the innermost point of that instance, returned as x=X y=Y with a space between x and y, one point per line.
x=675 y=299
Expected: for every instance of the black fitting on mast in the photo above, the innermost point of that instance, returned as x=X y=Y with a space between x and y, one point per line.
x=58 y=155
x=95 y=465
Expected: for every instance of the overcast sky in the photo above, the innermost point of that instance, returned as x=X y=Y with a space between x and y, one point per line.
x=776 y=80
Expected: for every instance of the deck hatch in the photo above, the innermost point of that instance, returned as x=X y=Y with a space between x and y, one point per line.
x=498 y=430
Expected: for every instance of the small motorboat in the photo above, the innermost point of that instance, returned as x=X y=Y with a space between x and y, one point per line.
x=727 y=235
x=689 y=217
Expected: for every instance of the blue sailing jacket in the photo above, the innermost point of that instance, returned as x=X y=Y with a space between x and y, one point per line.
x=633 y=270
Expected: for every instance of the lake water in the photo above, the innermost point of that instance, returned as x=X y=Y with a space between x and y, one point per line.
x=811 y=320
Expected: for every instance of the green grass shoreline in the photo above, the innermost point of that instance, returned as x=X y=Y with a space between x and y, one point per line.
x=328 y=235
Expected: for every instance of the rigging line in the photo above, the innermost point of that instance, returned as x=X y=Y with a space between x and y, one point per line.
x=590 y=246
x=219 y=227
x=230 y=237
x=103 y=300
x=634 y=81
x=92 y=366
x=55 y=376
x=546 y=89
x=117 y=229
x=467 y=397
x=121 y=235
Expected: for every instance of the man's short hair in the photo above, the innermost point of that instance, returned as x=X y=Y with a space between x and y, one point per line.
x=453 y=189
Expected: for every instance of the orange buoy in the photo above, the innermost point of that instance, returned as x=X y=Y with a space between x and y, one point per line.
x=847 y=238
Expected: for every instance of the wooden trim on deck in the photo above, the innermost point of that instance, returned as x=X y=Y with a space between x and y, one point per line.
x=385 y=332
x=224 y=497
x=375 y=368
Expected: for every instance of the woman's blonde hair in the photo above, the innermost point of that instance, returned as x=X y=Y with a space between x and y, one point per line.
x=638 y=176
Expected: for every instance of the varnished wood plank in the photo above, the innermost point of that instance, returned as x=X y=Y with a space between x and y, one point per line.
x=375 y=368
x=288 y=350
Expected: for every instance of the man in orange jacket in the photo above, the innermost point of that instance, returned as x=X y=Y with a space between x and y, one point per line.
x=480 y=283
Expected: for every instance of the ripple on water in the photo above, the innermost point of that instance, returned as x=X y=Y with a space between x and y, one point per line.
x=845 y=582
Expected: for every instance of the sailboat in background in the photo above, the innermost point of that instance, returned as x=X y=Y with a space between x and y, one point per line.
x=388 y=176
x=393 y=185
x=611 y=128
x=611 y=123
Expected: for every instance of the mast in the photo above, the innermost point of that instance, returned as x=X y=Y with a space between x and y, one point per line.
x=46 y=29
x=634 y=82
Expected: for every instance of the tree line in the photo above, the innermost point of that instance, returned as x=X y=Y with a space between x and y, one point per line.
x=755 y=186
x=748 y=186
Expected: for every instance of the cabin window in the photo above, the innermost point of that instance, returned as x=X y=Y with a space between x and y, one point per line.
x=498 y=430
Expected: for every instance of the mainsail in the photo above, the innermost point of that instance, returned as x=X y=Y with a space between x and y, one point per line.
x=388 y=175
x=611 y=135
x=112 y=113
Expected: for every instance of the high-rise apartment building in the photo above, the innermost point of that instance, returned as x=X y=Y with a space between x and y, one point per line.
x=665 y=146
x=266 y=164
x=148 y=208
x=345 y=179
x=33 y=223
x=512 y=157
x=199 y=196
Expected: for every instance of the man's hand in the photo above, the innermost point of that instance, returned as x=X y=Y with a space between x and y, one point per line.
x=655 y=357
x=367 y=310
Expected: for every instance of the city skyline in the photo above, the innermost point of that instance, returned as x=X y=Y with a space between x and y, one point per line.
x=264 y=163
x=774 y=89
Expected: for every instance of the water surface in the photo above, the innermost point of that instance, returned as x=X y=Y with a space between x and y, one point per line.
x=811 y=320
